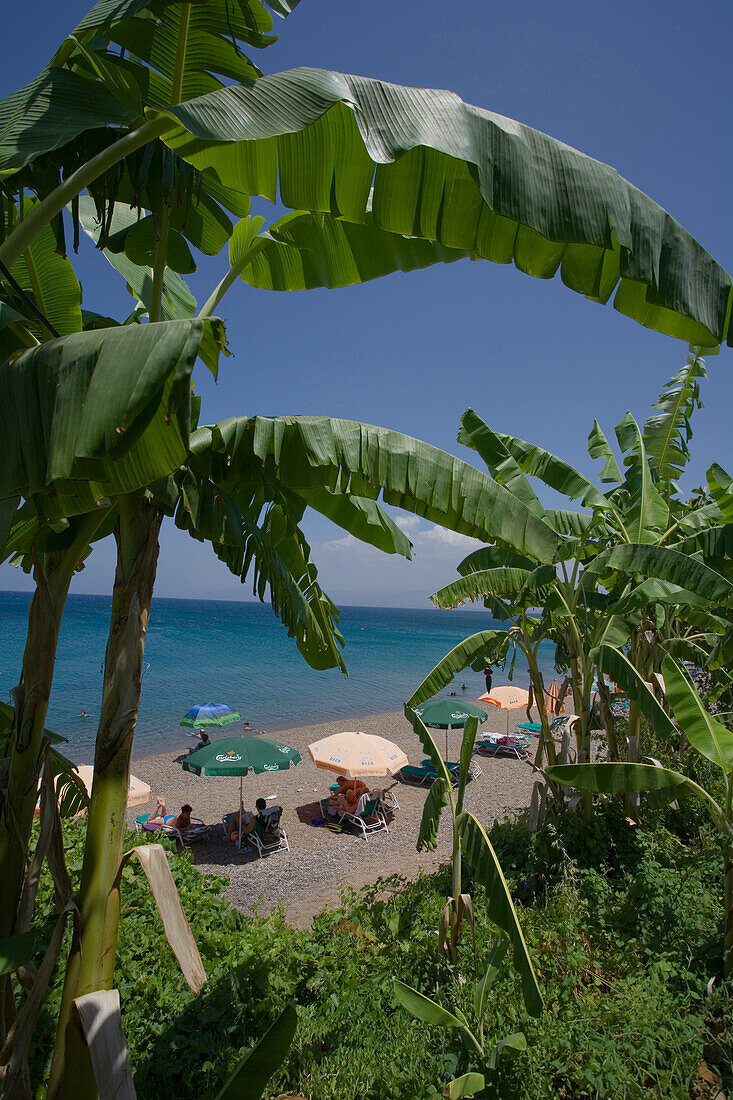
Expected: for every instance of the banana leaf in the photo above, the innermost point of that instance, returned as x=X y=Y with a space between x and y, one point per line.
x=710 y=737
x=427 y=164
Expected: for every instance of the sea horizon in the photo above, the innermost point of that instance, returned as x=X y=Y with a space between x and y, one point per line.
x=237 y=652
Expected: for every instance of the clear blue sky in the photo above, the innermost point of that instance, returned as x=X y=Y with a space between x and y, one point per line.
x=644 y=87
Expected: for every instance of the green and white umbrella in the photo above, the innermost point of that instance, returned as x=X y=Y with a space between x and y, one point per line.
x=235 y=756
x=447 y=714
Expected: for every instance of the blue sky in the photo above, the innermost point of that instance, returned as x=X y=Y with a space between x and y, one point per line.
x=645 y=88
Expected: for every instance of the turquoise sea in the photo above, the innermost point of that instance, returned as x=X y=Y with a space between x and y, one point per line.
x=201 y=651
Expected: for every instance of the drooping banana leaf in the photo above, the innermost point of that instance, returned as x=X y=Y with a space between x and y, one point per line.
x=495 y=582
x=501 y=464
x=435 y=803
x=618 y=778
x=647 y=512
x=484 y=644
x=479 y=853
x=429 y=165
x=666 y=565
x=97 y=413
x=616 y=665
x=493 y=557
x=50 y=282
x=345 y=455
x=361 y=517
x=705 y=733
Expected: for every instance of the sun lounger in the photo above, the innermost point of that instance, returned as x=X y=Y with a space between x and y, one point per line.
x=366 y=818
x=454 y=767
x=187 y=836
x=267 y=835
x=511 y=743
x=424 y=775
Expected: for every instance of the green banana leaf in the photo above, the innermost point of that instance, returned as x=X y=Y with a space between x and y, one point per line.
x=495 y=582
x=481 y=645
x=424 y=1008
x=500 y=463
x=107 y=405
x=250 y=1077
x=713 y=543
x=428 y=744
x=361 y=517
x=619 y=778
x=647 y=512
x=599 y=447
x=665 y=565
x=667 y=433
x=50 y=281
x=435 y=803
x=344 y=455
x=710 y=737
x=470 y=1084
x=274 y=555
x=303 y=251
x=534 y=461
x=427 y=164
x=721 y=487
x=47 y=113
x=616 y=665
x=493 y=557
x=479 y=853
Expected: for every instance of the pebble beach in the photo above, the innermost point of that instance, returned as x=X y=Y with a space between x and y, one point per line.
x=321 y=863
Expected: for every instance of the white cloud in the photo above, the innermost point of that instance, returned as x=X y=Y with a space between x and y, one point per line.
x=408 y=524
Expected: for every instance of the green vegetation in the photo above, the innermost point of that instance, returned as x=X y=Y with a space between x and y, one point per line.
x=623 y=954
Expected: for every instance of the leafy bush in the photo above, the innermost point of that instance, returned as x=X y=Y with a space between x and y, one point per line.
x=624 y=925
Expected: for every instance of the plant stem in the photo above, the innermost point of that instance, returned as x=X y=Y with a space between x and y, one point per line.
x=41 y=215
x=180 y=64
x=91 y=963
x=230 y=279
x=52 y=573
x=159 y=264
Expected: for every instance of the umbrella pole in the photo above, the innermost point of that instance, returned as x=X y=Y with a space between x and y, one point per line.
x=241 y=807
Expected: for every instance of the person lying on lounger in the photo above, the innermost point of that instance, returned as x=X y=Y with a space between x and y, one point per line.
x=358 y=786
x=181 y=821
x=248 y=821
x=344 y=803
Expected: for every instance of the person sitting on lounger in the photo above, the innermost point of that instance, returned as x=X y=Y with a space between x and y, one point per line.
x=357 y=785
x=181 y=821
x=249 y=821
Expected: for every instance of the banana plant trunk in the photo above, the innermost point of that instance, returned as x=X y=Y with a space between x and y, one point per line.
x=52 y=573
x=91 y=962
x=546 y=746
x=728 y=898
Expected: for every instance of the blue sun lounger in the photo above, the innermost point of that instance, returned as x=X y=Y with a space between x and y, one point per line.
x=420 y=776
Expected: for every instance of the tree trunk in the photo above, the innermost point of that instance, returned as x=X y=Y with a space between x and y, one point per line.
x=91 y=966
x=546 y=746
x=607 y=717
x=52 y=573
x=728 y=895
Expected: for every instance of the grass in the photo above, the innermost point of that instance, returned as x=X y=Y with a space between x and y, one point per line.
x=624 y=925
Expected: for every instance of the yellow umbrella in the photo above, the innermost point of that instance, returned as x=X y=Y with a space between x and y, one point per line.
x=506 y=698
x=138 y=793
x=357 y=754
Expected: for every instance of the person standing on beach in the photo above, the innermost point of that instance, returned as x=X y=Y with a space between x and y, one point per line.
x=488 y=675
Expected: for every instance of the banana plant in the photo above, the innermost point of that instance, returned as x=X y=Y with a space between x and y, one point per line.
x=707 y=736
x=471 y=843
x=430 y=1012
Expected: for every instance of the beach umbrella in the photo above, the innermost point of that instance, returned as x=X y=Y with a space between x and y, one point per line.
x=506 y=698
x=210 y=714
x=138 y=793
x=553 y=694
x=447 y=714
x=357 y=754
x=235 y=756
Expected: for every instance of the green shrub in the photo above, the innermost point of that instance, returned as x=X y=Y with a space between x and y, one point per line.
x=624 y=925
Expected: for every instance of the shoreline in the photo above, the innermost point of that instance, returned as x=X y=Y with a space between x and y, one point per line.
x=320 y=863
